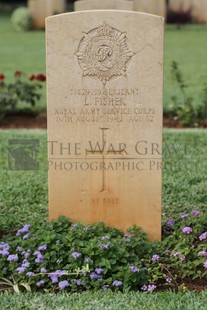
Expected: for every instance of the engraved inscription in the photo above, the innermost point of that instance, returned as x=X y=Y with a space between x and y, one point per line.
x=101 y=105
x=102 y=114
x=103 y=53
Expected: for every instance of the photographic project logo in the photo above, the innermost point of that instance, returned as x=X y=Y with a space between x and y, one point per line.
x=23 y=154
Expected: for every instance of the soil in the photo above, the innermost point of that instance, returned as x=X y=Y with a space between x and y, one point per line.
x=24 y=121
x=40 y=121
x=197 y=285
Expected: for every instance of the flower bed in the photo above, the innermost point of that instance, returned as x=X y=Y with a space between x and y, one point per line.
x=75 y=258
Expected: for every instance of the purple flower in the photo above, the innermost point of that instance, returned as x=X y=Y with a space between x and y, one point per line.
x=42 y=247
x=148 y=288
x=12 y=258
x=167 y=251
x=176 y=254
x=26 y=254
x=24 y=229
x=105 y=238
x=40 y=283
x=169 y=223
x=155 y=257
x=53 y=278
x=21 y=269
x=202 y=253
x=4 y=245
x=95 y=276
x=19 y=249
x=37 y=253
x=98 y=270
x=134 y=269
x=63 y=284
x=60 y=272
x=187 y=230
x=117 y=283
x=26 y=236
x=182 y=258
x=104 y=246
x=29 y=273
x=87 y=260
x=205 y=264
x=39 y=259
x=183 y=216
x=203 y=236
x=25 y=264
x=128 y=235
x=4 y=249
x=75 y=255
x=4 y=252
x=77 y=281
x=168 y=280
x=55 y=275
x=43 y=270
x=195 y=213
x=151 y=288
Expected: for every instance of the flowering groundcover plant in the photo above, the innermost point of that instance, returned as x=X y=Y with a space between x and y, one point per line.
x=62 y=256
x=23 y=89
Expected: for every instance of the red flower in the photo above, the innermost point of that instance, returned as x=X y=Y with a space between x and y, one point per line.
x=2 y=77
x=32 y=77
x=18 y=73
x=41 y=77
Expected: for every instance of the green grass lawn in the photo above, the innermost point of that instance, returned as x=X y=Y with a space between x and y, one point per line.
x=105 y=301
x=186 y=45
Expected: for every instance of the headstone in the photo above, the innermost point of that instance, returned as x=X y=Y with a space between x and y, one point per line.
x=104 y=96
x=195 y=9
x=83 y=5
x=199 y=13
x=40 y=9
x=156 y=7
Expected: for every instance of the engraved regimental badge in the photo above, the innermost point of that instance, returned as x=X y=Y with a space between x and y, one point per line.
x=103 y=53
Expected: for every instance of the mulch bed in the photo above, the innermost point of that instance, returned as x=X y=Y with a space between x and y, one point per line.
x=40 y=121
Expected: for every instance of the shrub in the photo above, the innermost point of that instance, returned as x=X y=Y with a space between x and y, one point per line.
x=182 y=108
x=184 y=248
x=21 y=19
x=19 y=90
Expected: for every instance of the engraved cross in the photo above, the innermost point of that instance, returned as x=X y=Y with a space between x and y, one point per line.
x=103 y=152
